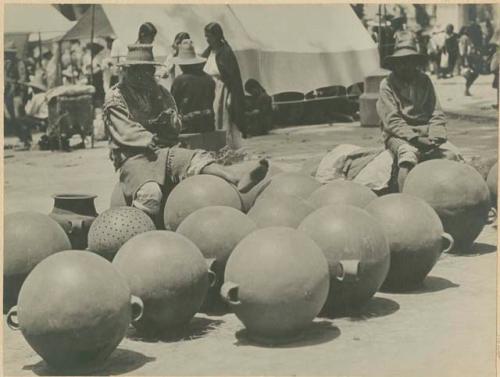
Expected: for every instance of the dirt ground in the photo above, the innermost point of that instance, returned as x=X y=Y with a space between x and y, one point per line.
x=445 y=329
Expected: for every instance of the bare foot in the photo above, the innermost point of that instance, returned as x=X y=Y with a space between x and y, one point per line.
x=253 y=177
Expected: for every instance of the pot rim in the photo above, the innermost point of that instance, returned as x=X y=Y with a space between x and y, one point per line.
x=73 y=196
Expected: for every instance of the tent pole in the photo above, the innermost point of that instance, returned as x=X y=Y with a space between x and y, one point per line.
x=40 y=48
x=91 y=47
x=380 y=34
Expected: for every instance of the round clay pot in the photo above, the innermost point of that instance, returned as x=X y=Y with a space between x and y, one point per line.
x=294 y=184
x=75 y=213
x=357 y=252
x=74 y=309
x=115 y=226
x=168 y=272
x=29 y=238
x=492 y=181
x=276 y=282
x=216 y=230
x=197 y=192
x=416 y=238
x=458 y=194
x=342 y=192
x=279 y=210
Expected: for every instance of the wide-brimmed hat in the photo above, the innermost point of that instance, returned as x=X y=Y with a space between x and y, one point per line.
x=187 y=54
x=139 y=54
x=405 y=47
x=37 y=82
x=10 y=47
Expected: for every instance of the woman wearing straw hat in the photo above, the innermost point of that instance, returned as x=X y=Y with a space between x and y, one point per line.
x=413 y=124
x=141 y=121
x=193 y=91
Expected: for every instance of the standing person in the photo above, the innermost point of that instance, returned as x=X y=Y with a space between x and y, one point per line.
x=413 y=124
x=14 y=75
x=171 y=71
x=476 y=34
x=451 y=49
x=141 y=121
x=229 y=104
x=193 y=91
x=464 y=48
x=260 y=109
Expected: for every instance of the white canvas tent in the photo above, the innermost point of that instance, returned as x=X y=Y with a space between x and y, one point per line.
x=285 y=47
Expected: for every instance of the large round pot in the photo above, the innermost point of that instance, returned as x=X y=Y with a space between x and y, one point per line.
x=75 y=213
x=416 y=238
x=216 y=230
x=294 y=184
x=354 y=243
x=29 y=238
x=276 y=282
x=74 y=309
x=115 y=226
x=492 y=182
x=248 y=199
x=458 y=194
x=197 y=192
x=168 y=272
x=279 y=210
x=342 y=192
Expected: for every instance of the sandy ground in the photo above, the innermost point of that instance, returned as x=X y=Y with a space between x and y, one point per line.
x=445 y=329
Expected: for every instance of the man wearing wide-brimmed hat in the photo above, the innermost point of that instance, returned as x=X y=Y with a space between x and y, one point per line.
x=414 y=126
x=193 y=91
x=142 y=124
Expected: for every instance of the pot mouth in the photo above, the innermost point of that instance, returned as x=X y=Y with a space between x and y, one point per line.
x=74 y=196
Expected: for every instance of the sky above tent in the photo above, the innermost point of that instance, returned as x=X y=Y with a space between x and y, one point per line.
x=34 y=18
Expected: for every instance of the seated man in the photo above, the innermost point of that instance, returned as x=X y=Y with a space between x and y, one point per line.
x=413 y=124
x=141 y=121
x=193 y=91
x=259 y=111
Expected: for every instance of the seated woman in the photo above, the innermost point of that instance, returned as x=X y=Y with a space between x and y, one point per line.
x=193 y=91
x=142 y=124
x=413 y=124
x=259 y=110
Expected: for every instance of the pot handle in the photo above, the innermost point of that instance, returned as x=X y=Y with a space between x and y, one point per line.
x=348 y=270
x=212 y=276
x=13 y=324
x=137 y=308
x=76 y=225
x=229 y=293
x=451 y=242
x=492 y=216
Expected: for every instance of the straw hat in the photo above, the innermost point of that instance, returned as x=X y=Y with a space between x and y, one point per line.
x=139 y=54
x=405 y=47
x=187 y=54
x=37 y=82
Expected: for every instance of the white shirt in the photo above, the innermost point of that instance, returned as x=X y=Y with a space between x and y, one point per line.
x=211 y=65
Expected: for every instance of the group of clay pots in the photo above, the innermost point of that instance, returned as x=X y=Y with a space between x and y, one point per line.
x=278 y=256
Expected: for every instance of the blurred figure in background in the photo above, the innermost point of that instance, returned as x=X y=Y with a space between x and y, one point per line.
x=259 y=110
x=464 y=48
x=171 y=70
x=193 y=91
x=147 y=33
x=451 y=50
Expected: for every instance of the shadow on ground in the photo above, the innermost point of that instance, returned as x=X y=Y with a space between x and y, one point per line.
x=478 y=248
x=376 y=307
x=318 y=332
x=121 y=361
x=429 y=285
x=197 y=328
